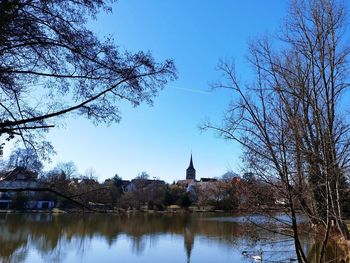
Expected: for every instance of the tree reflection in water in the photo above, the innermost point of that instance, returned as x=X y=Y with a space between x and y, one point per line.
x=54 y=236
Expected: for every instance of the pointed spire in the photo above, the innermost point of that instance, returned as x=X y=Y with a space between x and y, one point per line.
x=191 y=172
x=191 y=163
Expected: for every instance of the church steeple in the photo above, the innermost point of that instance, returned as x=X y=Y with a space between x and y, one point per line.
x=191 y=172
x=191 y=163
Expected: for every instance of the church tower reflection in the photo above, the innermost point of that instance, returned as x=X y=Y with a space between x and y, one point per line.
x=189 y=242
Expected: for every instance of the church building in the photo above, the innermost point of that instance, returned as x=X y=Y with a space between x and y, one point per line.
x=191 y=172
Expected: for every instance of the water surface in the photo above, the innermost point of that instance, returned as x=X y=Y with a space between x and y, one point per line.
x=137 y=238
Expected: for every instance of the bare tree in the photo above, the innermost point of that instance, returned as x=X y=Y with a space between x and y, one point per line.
x=25 y=158
x=66 y=169
x=143 y=176
x=290 y=121
x=52 y=65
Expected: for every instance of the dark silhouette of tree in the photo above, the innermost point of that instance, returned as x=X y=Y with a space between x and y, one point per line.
x=51 y=64
x=143 y=175
x=185 y=200
x=248 y=177
x=289 y=120
x=116 y=188
x=229 y=175
x=26 y=158
x=66 y=169
x=174 y=194
x=117 y=181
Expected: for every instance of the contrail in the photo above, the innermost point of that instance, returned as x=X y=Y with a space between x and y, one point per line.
x=191 y=90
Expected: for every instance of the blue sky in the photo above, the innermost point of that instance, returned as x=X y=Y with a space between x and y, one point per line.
x=159 y=139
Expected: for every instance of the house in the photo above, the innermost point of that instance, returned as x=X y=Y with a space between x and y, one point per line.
x=206 y=180
x=20 y=178
x=19 y=174
x=123 y=183
x=5 y=201
x=185 y=183
x=40 y=205
x=137 y=184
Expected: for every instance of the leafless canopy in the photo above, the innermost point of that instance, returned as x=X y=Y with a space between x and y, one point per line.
x=290 y=119
x=51 y=65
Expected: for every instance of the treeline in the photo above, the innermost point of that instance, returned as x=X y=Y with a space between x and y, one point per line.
x=230 y=192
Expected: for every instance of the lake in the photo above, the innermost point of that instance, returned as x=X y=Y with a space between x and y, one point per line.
x=140 y=237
